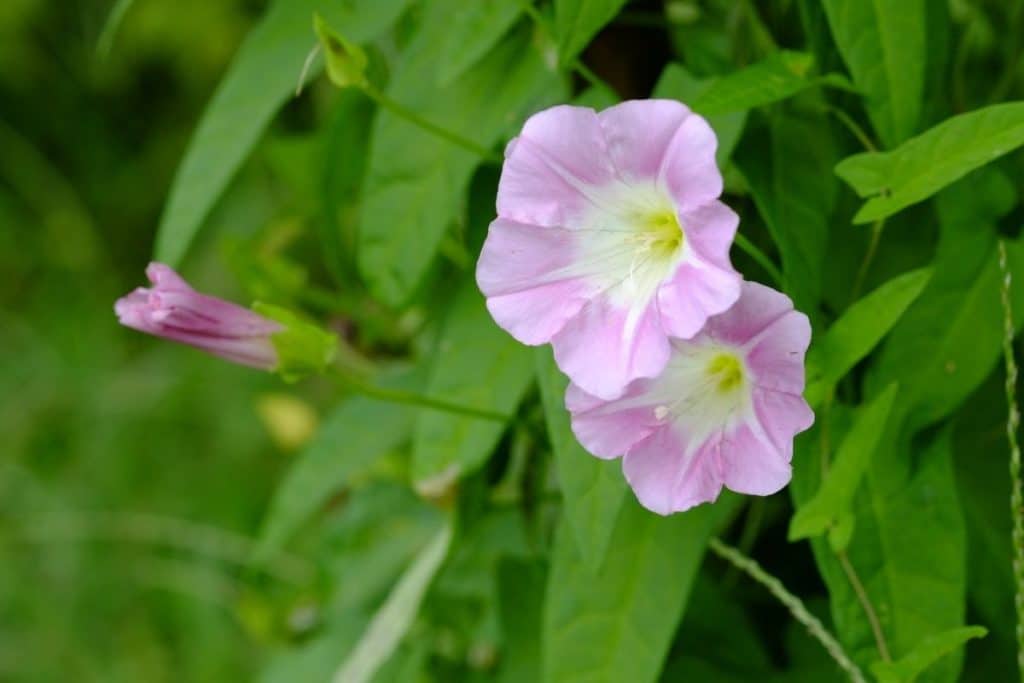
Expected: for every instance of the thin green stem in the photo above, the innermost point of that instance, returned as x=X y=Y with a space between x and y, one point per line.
x=865 y=603
x=754 y=252
x=869 y=257
x=1012 y=424
x=412 y=117
x=793 y=603
x=411 y=398
x=852 y=126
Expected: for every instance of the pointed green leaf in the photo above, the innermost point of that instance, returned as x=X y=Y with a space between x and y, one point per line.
x=475 y=28
x=883 y=44
x=415 y=180
x=835 y=496
x=928 y=651
x=261 y=79
x=391 y=622
x=922 y=166
x=778 y=76
x=476 y=364
x=859 y=330
x=617 y=625
x=594 y=489
x=577 y=21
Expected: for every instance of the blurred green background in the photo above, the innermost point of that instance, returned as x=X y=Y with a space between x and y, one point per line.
x=127 y=467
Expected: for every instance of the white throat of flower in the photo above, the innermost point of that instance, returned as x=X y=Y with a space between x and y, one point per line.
x=705 y=388
x=632 y=241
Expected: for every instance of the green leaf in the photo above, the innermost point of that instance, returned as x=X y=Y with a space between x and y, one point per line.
x=521 y=603
x=929 y=162
x=928 y=651
x=593 y=488
x=475 y=28
x=391 y=622
x=883 y=44
x=617 y=625
x=349 y=440
x=785 y=163
x=677 y=83
x=859 y=330
x=950 y=339
x=261 y=79
x=577 y=21
x=476 y=364
x=415 y=180
x=835 y=497
x=908 y=549
x=778 y=76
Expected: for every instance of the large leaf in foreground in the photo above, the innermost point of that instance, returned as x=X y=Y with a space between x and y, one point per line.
x=929 y=162
x=594 y=489
x=883 y=43
x=949 y=340
x=908 y=550
x=261 y=78
x=616 y=625
x=478 y=365
x=475 y=28
x=415 y=179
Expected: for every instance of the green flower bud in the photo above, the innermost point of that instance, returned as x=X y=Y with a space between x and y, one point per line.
x=346 y=62
x=302 y=347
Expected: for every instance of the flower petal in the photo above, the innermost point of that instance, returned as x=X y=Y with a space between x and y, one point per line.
x=695 y=293
x=669 y=474
x=777 y=355
x=605 y=347
x=638 y=133
x=710 y=231
x=609 y=429
x=553 y=168
x=689 y=170
x=757 y=308
x=524 y=273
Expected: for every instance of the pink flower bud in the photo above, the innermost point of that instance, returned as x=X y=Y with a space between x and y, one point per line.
x=173 y=310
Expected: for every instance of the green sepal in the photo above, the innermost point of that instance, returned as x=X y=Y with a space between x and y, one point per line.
x=302 y=347
x=346 y=61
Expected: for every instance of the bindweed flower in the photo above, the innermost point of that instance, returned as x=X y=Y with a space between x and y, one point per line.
x=276 y=341
x=723 y=412
x=609 y=239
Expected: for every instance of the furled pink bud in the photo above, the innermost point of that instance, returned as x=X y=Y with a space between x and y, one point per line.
x=173 y=310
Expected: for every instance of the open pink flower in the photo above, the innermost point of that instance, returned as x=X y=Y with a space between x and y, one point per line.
x=173 y=310
x=723 y=412
x=609 y=238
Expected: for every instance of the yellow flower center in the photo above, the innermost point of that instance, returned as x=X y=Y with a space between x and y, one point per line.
x=660 y=233
x=726 y=370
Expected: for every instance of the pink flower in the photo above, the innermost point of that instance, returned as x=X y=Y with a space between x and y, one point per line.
x=723 y=412
x=173 y=310
x=609 y=238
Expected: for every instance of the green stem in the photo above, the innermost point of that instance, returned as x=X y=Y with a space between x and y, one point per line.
x=795 y=605
x=869 y=256
x=417 y=120
x=852 y=126
x=754 y=252
x=411 y=398
x=1012 y=424
x=865 y=603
